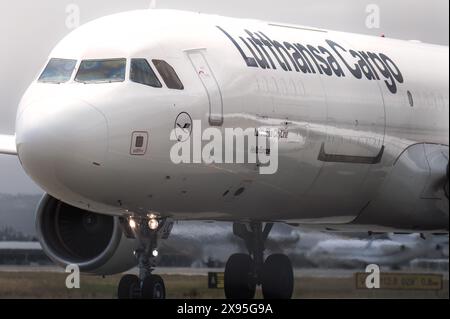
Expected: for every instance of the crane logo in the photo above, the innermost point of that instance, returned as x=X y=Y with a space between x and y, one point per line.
x=183 y=127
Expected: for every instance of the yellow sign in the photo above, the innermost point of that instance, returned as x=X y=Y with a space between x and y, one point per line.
x=396 y=281
x=216 y=280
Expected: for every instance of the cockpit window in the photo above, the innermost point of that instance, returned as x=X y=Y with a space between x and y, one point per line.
x=142 y=73
x=101 y=71
x=168 y=74
x=58 y=71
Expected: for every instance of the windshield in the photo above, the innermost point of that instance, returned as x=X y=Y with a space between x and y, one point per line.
x=58 y=71
x=142 y=73
x=168 y=74
x=101 y=71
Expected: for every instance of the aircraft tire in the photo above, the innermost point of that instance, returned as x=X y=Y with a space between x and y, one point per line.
x=239 y=277
x=127 y=286
x=153 y=288
x=277 y=277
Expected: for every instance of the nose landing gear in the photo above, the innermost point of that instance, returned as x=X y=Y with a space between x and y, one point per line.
x=244 y=272
x=147 y=285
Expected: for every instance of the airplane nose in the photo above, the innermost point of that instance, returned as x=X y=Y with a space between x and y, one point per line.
x=58 y=142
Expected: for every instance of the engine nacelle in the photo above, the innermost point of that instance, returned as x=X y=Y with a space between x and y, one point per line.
x=416 y=190
x=94 y=242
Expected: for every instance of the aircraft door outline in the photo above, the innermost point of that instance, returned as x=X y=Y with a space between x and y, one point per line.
x=212 y=88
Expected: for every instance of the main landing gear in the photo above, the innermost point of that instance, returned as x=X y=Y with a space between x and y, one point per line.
x=147 y=285
x=244 y=272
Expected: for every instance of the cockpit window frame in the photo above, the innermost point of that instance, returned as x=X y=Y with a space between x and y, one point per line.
x=122 y=80
x=173 y=74
x=159 y=84
x=163 y=72
x=74 y=62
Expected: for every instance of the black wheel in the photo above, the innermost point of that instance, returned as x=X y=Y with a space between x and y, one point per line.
x=239 y=278
x=153 y=288
x=128 y=285
x=277 y=277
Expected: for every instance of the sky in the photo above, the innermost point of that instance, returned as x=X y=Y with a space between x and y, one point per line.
x=30 y=29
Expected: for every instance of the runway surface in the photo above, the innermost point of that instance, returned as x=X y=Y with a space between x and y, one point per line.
x=192 y=283
x=298 y=273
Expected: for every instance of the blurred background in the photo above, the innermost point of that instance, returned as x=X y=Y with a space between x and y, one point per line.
x=30 y=29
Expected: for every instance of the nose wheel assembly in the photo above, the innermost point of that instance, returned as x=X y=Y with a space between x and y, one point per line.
x=147 y=285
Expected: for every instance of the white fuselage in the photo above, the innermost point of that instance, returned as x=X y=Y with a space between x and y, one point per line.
x=347 y=106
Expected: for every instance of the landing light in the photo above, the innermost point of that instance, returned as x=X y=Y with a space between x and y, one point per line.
x=132 y=223
x=153 y=224
x=155 y=253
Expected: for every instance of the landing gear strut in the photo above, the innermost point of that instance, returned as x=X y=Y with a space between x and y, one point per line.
x=147 y=285
x=244 y=272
